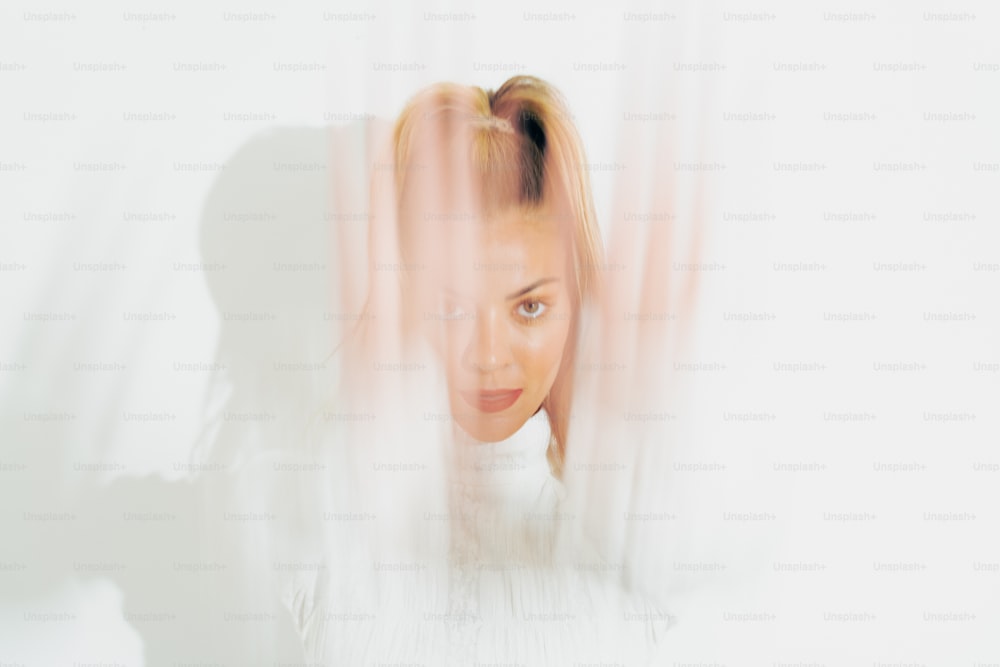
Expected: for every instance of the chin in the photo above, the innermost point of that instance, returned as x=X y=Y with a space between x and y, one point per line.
x=490 y=430
x=487 y=427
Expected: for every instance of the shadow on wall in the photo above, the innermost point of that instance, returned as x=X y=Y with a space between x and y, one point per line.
x=200 y=562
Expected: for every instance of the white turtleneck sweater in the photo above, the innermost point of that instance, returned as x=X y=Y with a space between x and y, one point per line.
x=496 y=598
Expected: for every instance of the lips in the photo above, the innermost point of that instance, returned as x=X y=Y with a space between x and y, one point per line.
x=493 y=400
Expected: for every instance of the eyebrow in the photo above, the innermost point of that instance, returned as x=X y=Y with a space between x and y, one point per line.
x=533 y=286
x=521 y=292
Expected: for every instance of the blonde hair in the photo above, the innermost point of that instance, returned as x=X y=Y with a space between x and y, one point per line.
x=525 y=153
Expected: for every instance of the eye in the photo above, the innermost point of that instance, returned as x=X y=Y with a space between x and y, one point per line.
x=531 y=309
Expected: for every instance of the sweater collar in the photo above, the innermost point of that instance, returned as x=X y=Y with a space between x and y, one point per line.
x=519 y=457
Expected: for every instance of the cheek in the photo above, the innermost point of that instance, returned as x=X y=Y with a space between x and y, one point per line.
x=543 y=351
x=451 y=341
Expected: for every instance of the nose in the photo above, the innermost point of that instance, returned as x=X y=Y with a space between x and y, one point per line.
x=488 y=349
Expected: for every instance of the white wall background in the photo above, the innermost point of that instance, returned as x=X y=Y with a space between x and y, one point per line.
x=849 y=163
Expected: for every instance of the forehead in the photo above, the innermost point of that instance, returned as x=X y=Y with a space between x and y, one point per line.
x=503 y=252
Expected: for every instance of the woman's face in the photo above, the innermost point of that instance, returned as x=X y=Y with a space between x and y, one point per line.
x=498 y=312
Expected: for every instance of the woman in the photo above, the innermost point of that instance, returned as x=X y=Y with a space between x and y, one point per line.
x=450 y=540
